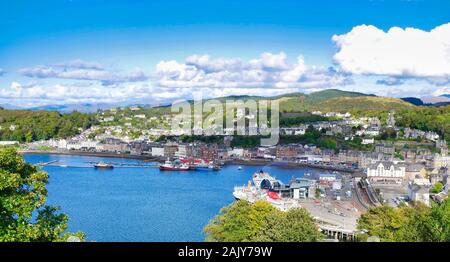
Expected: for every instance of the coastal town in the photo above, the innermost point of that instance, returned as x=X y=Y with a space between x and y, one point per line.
x=411 y=167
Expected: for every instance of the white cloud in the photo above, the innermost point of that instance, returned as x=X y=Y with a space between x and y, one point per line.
x=442 y=91
x=267 y=71
x=81 y=64
x=398 y=52
x=82 y=70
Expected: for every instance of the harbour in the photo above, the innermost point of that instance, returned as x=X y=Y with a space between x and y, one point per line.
x=139 y=202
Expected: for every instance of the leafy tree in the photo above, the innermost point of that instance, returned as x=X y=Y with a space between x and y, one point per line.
x=238 y=222
x=437 y=187
x=407 y=224
x=23 y=194
x=295 y=225
x=242 y=221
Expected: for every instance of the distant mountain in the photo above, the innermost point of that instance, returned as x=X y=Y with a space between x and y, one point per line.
x=9 y=106
x=332 y=93
x=329 y=100
x=435 y=99
x=362 y=103
x=446 y=95
x=326 y=100
x=313 y=101
x=413 y=100
x=84 y=107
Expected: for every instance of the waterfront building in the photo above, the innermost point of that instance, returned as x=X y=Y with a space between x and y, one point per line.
x=296 y=189
x=386 y=171
x=348 y=156
x=286 y=152
x=157 y=151
x=170 y=149
x=236 y=152
x=209 y=152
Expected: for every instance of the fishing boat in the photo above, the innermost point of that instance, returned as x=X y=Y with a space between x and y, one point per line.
x=174 y=166
x=207 y=167
x=200 y=164
x=103 y=165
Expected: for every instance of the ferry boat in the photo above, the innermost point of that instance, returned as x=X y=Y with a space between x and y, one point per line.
x=174 y=166
x=103 y=165
x=263 y=180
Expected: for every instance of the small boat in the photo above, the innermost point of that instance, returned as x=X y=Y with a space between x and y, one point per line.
x=207 y=167
x=239 y=168
x=103 y=165
x=174 y=166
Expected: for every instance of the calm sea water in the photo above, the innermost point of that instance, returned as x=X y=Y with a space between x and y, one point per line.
x=143 y=204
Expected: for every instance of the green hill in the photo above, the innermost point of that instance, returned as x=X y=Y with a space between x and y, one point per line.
x=369 y=103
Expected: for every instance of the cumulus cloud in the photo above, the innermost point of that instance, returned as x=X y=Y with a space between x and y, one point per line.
x=36 y=94
x=267 y=71
x=82 y=70
x=442 y=91
x=398 y=52
x=390 y=81
x=81 y=64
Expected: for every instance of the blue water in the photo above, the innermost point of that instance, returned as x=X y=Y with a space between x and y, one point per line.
x=142 y=204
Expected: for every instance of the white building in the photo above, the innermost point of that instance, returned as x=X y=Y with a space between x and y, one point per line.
x=367 y=141
x=8 y=143
x=84 y=145
x=236 y=152
x=157 y=151
x=142 y=116
x=386 y=171
x=419 y=193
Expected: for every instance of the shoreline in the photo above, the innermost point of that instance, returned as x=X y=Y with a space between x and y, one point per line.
x=249 y=162
x=94 y=154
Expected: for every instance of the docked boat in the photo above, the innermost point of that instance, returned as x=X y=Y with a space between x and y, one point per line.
x=207 y=167
x=263 y=180
x=103 y=165
x=174 y=166
x=200 y=164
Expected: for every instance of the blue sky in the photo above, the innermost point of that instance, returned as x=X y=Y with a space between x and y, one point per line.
x=127 y=40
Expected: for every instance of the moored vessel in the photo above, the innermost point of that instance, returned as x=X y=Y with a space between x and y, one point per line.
x=103 y=165
x=174 y=166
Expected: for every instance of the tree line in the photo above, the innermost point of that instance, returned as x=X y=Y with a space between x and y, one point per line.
x=28 y=126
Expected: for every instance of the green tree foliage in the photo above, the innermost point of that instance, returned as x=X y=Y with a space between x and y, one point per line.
x=27 y=125
x=295 y=225
x=23 y=213
x=407 y=224
x=242 y=221
x=437 y=187
x=435 y=119
x=307 y=118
